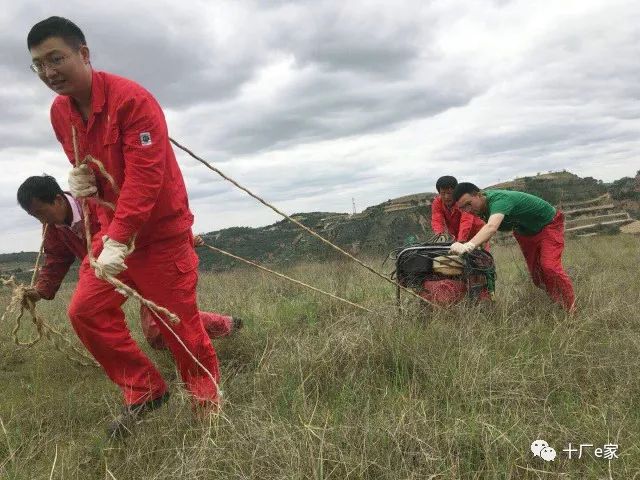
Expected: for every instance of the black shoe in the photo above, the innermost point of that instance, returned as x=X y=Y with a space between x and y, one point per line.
x=131 y=415
x=237 y=323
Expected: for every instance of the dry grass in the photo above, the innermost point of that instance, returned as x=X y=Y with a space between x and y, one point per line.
x=316 y=390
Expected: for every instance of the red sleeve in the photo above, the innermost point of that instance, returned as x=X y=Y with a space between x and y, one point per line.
x=465 y=230
x=57 y=261
x=144 y=145
x=438 y=224
x=59 y=124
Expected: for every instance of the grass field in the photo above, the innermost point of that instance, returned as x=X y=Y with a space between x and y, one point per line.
x=317 y=390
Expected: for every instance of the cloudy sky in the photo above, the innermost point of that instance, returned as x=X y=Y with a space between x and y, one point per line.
x=313 y=103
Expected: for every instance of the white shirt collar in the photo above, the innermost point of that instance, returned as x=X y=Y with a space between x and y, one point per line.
x=75 y=209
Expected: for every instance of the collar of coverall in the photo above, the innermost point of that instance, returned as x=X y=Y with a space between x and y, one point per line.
x=97 y=95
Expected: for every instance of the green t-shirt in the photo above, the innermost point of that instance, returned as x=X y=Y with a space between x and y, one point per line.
x=523 y=212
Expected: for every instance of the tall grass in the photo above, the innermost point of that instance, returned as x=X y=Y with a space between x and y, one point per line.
x=317 y=390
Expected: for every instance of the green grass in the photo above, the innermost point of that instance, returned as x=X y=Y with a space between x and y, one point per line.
x=316 y=389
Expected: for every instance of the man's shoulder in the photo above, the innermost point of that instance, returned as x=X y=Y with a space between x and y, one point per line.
x=122 y=88
x=60 y=104
x=499 y=194
x=498 y=191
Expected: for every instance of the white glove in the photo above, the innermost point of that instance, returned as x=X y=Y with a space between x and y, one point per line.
x=82 y=181
x=111 y=259
x=461 y=248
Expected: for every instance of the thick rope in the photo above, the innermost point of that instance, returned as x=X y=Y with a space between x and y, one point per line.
x=36 y=267
x=223 y=252
x=179 y=340
x=299 y=224
x=120 y=286
x=18 y=300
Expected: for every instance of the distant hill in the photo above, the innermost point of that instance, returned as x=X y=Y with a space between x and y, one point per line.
x=558 y=188
x=376 y=230
x=380 y=228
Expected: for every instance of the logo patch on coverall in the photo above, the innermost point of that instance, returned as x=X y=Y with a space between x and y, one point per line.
x=145 y=138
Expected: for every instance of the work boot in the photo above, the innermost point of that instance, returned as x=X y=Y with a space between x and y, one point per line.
x=131 y=415
x=237 y=323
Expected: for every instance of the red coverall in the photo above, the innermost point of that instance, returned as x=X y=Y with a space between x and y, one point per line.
x=126 y=130
x=215 y=324
x=63 y=245
x=461 y=225
x=543 y=254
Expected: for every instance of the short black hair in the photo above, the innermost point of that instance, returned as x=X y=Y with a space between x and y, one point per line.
x=446 y=182
x=56 y=27
x=43 y=187
x=462 y=188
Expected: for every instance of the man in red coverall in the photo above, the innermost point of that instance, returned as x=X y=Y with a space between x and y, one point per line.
x=446 y=217
x=42 y=198
x=121 y=124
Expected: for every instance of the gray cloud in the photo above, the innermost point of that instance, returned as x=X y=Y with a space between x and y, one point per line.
x=311 y=103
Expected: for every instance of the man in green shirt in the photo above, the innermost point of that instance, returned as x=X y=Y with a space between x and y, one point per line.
x=536 y=225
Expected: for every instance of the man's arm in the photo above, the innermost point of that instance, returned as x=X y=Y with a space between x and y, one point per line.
x=144 y=144
x=489 y=230
x=481 y=237
x=58 y=260
x=438 y=224
x=466 y=225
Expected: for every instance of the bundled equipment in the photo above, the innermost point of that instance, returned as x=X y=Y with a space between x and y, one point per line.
x=442 y=278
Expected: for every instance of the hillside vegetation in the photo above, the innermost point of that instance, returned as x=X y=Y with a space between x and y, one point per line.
x=316 y=390
x=381 y=228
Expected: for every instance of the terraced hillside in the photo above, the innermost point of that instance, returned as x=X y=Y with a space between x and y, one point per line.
x=591 y=207
x=595 y=215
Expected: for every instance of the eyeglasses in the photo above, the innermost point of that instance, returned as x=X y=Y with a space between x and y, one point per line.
x=55 y=61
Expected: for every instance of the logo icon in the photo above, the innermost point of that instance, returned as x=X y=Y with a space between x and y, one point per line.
x=145 y=138
x=548 y=454
x=541 y=449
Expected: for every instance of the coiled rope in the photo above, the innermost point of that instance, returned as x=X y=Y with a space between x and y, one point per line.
x=19 y=300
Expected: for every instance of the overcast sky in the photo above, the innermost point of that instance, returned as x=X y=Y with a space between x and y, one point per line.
x=313 y=103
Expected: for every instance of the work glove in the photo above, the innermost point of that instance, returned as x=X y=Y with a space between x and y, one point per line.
x=82 y=181
x=111 y=259
x=461 y=248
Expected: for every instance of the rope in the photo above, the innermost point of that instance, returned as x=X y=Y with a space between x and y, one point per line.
x=19 y=299
x=119 y=285
x=296 y=222
x=206 y=370
x=45 y=329
x=36 y=267
x=219 y=250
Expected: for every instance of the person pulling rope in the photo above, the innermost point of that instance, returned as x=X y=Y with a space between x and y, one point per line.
x=21 y=300
x=120 y=123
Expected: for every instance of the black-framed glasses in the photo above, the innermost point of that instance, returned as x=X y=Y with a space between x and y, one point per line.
x=55 y=61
